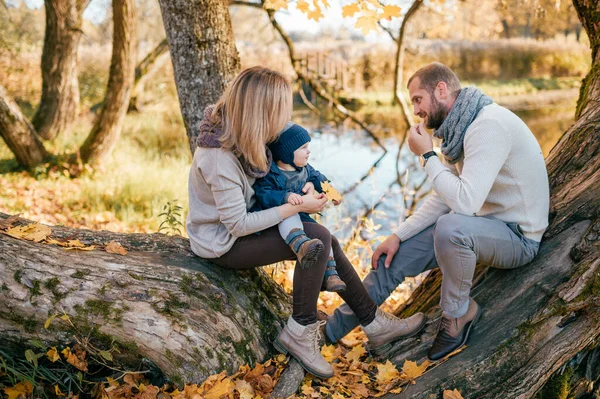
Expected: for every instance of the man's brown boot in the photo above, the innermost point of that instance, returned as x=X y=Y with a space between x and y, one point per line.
x=307 y=250
x=387 y=328
x=454 y=332
x=302 y=342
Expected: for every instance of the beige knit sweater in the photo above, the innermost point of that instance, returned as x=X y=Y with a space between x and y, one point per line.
x=220 y=193
x=502 y=174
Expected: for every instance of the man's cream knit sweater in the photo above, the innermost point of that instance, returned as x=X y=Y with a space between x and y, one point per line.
x=502 y=174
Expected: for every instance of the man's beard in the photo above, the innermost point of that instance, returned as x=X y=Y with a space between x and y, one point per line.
x=437 y=115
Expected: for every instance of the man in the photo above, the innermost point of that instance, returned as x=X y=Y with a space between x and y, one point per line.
x=489 y=203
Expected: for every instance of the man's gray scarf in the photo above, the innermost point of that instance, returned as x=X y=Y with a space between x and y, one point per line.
x=469 y=102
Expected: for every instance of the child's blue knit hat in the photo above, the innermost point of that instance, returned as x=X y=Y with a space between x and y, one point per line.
x=291 y=138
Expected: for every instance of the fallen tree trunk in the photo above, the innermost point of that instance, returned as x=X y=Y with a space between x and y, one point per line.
x=159 y=301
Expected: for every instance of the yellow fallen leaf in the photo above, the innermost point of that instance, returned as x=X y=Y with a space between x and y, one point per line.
x=386 y=372
x=49 y=321
x=7 y=223
x=21 y=389
x=452 y=394
x=245 y=389
x=57 y=391
x=328 y=352
x=52 y=241
x=223 y=387
x=114 y=247
x=350 y=9
x=413 y=371
x=53 y=354
x=90 y=248
x=331 y=193
x=396 y=390
x=75 y=244
x=75 y=360
x=33 y=232
x=356 y=353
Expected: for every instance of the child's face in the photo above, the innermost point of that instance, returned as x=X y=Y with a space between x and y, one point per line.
x=301 y=156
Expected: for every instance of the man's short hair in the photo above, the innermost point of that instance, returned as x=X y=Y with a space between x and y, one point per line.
x=434 y=73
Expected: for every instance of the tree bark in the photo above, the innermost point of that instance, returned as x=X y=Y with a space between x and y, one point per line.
x=143 y=71
x=203 y=53
x=60 y=86
x=17 y=132
x=160 y=301
x=108 y=126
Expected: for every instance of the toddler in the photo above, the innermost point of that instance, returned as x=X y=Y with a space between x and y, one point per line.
x=289 y=178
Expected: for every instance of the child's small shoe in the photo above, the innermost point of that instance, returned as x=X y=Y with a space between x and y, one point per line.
x=307 y=250
x=332 y=281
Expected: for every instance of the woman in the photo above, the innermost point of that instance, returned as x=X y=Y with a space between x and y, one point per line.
x=231 y=154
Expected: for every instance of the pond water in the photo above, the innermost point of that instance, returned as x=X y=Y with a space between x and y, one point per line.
x=346 y=154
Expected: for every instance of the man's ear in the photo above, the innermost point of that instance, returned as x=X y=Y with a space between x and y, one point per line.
x=441 y=91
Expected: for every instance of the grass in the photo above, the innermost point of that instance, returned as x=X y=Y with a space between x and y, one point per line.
x=148 y=168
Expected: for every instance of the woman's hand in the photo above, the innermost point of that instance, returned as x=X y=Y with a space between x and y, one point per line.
x=312 y=203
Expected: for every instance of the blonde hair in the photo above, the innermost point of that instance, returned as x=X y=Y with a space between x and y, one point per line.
x=252 y=111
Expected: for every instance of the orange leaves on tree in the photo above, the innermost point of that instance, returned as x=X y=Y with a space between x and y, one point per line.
x=350 y=9
x=276 y=4
x=303 y=6
x=366 y=24
x=452 y=394
x=390 y=12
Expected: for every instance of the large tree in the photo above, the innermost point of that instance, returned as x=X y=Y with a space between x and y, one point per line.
x=193 y=318
x=60 y=86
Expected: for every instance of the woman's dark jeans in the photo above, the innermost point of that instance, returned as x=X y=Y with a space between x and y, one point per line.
x=268 y=247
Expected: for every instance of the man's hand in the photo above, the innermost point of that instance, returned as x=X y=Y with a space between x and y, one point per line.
x=389 y=247
x=295 y=199
x=336 y=203
x=419 y=141
x=308 y=188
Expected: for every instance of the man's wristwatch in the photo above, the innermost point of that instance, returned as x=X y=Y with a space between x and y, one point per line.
x=423 y=158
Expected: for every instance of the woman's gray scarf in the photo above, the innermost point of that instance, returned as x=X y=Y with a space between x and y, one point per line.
x=469 y=102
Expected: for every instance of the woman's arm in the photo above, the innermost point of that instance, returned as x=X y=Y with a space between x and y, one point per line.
x=222 y=175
